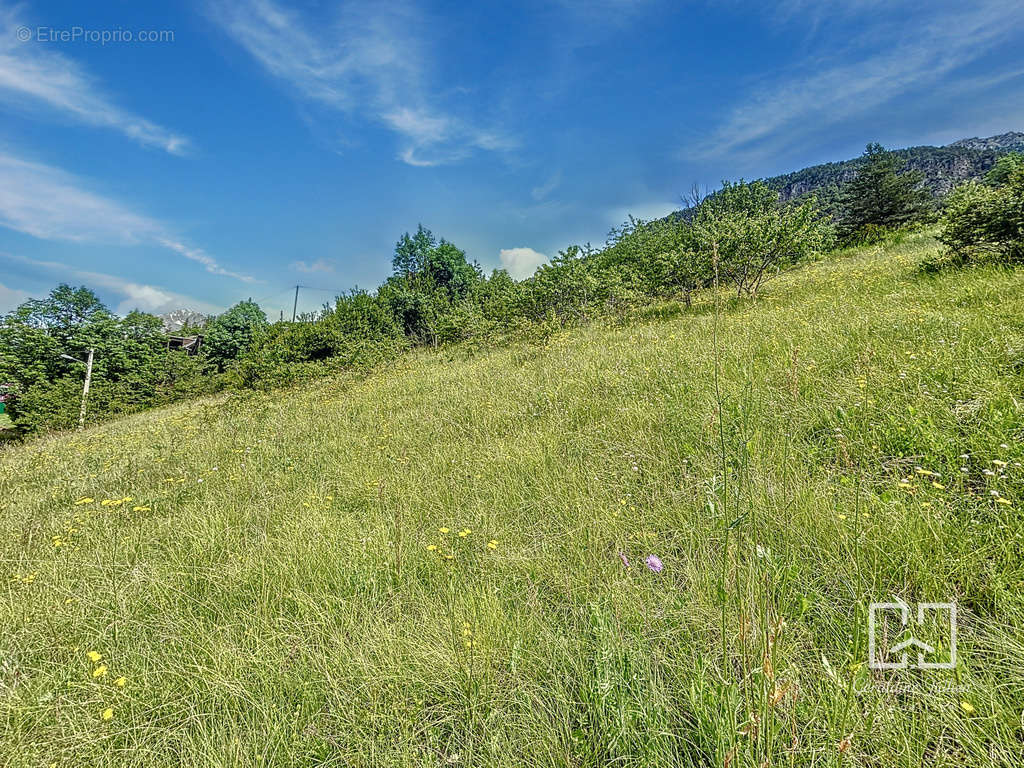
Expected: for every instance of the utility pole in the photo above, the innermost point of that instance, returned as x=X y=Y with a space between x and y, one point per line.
x=88 y=378
x=85 y=389
x=295 y=306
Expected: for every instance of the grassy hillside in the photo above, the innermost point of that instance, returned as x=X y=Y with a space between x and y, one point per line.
x=423 y=567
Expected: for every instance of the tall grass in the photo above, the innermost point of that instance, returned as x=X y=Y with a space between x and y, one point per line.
x=270 y=593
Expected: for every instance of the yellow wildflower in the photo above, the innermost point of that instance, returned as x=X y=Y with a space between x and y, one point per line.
x=492 y=544
x=464 y=533
x=443 y=530
x=120 y=682
x=967 y=707
x=100 y=671
x=94 y=657
x=84 y=500
x=107 y=714
x=431 y=547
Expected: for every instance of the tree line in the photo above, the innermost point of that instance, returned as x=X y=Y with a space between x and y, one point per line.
x=737 y=238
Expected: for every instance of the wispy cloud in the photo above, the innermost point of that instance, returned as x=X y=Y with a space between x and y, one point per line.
x=541 y=191
x=10 y=298
x=322 y=266
x=34 y=76
x=878 y=66
x=366 y=61
x=50 y=204
x=148 y=298
x=520 y=263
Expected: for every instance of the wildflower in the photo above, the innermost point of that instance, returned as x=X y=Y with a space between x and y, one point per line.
x=492 y=544
x=654 y=563
x=120 y=682
x=999 y=463
x=444 y=530
x=464 y=533
x=94 y=657
x=84 y=500
x=967 y=707
x=431 y=547
x=100 y=671
x=107 y=714
x=940 y=486
x=140 y=509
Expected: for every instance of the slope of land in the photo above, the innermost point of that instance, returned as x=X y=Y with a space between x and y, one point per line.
x=942 y=167
x=428 y=566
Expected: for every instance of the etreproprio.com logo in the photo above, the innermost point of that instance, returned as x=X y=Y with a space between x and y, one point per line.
x=108 y=36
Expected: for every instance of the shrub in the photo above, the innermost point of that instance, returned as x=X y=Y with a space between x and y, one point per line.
x=986 y=223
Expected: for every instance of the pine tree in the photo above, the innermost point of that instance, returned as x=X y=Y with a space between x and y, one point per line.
x=882 y=195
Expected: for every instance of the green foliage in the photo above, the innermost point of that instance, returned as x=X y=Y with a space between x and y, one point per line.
x=748 y=235
x=232 y=333
x=299 y=593
x=132 y=368
x=880 y=195
x=1005 y=168
x=986 y=222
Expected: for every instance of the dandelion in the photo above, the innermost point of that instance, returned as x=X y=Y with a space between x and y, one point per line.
x=100 y=671
x=94 y=657
x=431 y=547
x=444 y=530
x=967 y=707
x=464 y=533
x=107 y=714
x=492 y=544
x=654 y=563
x=84 y=500
x=140 y=509
x=120 y=682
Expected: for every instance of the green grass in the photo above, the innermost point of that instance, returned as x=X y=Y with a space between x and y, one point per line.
x=5 y=421
x=269 y=596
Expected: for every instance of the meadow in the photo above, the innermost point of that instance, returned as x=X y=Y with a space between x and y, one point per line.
x=445 y=562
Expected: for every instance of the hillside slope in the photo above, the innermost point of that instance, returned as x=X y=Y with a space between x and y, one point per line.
x=427 y=567
x=943 y=167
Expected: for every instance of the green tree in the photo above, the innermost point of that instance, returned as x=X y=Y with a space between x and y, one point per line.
x=881 y=196
x=747 y=234
x=231 y=334
x=981 y=221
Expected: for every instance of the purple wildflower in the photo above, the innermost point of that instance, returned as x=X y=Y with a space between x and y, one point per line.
x=624 y=559
x=654 y=563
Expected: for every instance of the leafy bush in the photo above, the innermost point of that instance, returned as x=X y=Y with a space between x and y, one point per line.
x=748 y=235
x=982 y=222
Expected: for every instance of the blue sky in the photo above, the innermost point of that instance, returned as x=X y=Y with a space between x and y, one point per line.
x=255 y=144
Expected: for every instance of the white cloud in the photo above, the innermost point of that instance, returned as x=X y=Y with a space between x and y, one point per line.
x=367 y=61
x=880 y=66
x=31 y=74
x=48 y=203
x=10 y=298
x=148 y=298
x=521 y=262
x=312 y=267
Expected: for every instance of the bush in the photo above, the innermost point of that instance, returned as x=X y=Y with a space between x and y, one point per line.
x=986 y=223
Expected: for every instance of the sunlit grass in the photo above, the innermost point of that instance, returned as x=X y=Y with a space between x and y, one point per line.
x=281 y=580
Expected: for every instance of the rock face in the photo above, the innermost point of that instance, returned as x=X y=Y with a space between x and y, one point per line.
x=177 y=319
x=1004 y=142
x=943 y=168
